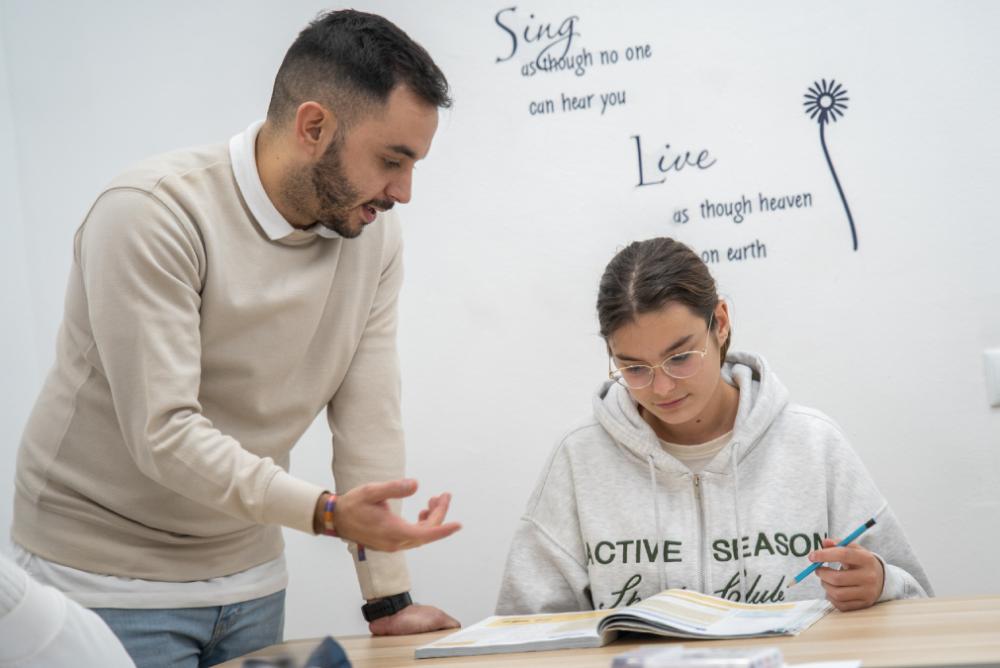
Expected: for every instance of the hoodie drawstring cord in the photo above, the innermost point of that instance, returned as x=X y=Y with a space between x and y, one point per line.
x=656 y=514
x=743 y=575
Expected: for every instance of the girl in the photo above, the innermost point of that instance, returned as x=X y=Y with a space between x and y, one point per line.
x=696 y=471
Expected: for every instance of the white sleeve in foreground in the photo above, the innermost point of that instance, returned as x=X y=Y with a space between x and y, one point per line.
x=46 y=629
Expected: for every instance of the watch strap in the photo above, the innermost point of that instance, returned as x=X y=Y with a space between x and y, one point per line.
x=385 y=606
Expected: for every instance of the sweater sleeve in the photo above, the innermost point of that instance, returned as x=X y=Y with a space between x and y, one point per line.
x=541 y=576
x=142 y=270
x=855 y=498
x=904 y=576
x=546 y=568
x=365 y=419
x=899 y=584
x=40 y=627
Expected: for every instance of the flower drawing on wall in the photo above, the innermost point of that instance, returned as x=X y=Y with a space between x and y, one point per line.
x=826 y=101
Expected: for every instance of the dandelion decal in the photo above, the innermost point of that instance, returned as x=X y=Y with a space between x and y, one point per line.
x=825 y=102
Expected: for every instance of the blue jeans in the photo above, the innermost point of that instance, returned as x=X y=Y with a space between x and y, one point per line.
x=197 y=637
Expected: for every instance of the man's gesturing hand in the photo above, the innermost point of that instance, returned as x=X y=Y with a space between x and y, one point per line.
x=413 y=619
x=362 y=515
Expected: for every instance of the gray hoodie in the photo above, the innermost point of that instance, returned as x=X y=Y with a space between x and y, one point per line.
x=615 y=519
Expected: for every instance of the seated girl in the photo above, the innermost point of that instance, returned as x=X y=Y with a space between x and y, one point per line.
x=696 y=471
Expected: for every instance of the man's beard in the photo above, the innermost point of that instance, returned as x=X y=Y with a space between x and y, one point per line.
x=337 y=197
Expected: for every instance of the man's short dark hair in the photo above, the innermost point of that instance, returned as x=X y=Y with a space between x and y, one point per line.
x=349 y=60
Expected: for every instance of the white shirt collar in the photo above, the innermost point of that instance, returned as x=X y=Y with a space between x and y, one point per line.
x=242 y=153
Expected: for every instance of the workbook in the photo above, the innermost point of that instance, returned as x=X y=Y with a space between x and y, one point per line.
x=676 y=613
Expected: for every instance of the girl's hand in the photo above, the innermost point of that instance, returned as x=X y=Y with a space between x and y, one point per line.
x=858 y=583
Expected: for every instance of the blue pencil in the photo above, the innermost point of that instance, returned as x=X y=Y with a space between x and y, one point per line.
x=847 y=541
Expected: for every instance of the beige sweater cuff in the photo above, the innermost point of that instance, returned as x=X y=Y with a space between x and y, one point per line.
x=291 y=502
x=381 y=573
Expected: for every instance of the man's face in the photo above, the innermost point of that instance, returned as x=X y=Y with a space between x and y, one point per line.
x=369 y=167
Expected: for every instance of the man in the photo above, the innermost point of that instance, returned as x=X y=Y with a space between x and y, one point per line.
x=219 y=298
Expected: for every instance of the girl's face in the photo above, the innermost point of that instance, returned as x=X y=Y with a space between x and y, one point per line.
x=681 y=405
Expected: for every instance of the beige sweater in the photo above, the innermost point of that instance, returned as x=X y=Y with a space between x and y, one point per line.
x=193 y=354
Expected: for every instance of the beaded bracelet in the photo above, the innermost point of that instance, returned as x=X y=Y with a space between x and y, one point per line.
x=328 y=528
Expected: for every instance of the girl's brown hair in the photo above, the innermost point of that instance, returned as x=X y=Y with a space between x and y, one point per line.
x=647 y=275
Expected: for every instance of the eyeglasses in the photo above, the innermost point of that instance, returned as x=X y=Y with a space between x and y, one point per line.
x=679 y=366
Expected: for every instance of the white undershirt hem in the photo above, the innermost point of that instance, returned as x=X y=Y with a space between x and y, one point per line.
x=109 y=591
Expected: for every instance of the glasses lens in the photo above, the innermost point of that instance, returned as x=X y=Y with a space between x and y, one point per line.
x=634 y=377
x=684 y=365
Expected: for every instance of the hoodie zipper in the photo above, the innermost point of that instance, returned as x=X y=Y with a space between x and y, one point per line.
x=703 y=568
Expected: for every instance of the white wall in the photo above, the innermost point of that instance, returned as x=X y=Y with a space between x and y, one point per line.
x=515 y=216
x=19 y=351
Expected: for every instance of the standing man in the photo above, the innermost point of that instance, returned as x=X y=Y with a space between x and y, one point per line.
x=219 y=298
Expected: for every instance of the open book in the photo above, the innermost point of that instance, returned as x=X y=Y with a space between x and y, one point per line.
x=676 y=612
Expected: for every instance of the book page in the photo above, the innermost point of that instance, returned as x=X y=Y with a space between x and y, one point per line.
x=557 y=629
x=689 y=613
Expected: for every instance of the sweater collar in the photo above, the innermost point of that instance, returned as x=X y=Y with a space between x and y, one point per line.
x=242 y=153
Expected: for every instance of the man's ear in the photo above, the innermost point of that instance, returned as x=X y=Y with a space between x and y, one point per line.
x=315 y=127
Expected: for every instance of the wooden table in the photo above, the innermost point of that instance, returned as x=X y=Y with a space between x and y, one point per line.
x=923 y=632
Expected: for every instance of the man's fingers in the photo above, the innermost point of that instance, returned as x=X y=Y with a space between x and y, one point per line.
x=371 y=522
x=374 y=492
x=446 y=621
x=431 y=503
x=421 y=534
x=414 y=618
x=438 y=509
x=397 y=534
x=437 y=532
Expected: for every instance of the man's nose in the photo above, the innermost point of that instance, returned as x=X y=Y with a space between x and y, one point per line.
x=400 y=189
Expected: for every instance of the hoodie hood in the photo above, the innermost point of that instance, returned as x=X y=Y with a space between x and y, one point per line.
x=762 y=399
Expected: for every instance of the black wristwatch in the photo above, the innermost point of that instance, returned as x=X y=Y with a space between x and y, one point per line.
x=383 y=607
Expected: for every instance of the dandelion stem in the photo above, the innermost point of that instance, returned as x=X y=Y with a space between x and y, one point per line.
x=822 y=140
